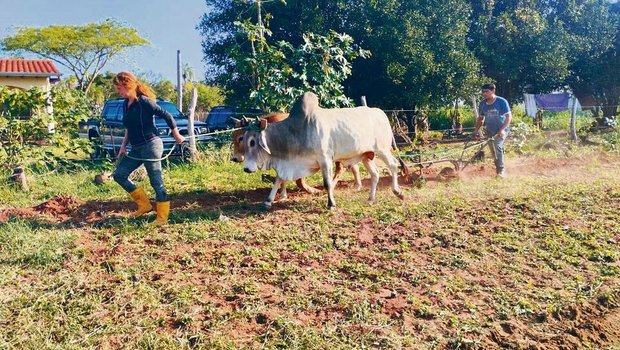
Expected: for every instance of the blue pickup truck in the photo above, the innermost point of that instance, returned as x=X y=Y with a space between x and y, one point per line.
x=219 y=117
x=108 y=130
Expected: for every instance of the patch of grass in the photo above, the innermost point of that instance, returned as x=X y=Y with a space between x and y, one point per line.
x=437 y=270
x=24 y=243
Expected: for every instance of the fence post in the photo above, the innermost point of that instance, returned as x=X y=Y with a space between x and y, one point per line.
x=573 y=117
x=179 y=82
x=190 y=125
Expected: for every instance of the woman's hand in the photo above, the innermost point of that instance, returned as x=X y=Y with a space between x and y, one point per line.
x=121 y=151
x=177 y=137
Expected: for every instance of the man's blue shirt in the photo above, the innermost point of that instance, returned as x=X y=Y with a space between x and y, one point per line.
x=494 y=114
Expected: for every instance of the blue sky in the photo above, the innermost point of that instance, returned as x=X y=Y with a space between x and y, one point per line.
x=168 y=25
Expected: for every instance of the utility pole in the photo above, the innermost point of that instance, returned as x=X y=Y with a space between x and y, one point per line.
x=179 y=83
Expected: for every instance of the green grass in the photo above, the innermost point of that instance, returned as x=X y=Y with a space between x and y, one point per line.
x=443 y=269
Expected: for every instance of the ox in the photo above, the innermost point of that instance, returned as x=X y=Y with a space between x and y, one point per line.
x=312 y=138
x=238 y=150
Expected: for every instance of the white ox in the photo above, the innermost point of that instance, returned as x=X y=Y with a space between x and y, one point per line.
x=313 y=138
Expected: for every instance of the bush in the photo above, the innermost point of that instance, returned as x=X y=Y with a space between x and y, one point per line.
x=29 y=135
x=439 y=119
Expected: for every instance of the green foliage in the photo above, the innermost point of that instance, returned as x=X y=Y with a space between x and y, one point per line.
x=320 y=64
x=440 y=119
x=208 y=96
x=165 y=89
x=101 y=90
x=598 y=38
x=31 y=136
x=24 y=243
x=428 y=53
x=519 y=134
x=420 y=56
x=84 y=50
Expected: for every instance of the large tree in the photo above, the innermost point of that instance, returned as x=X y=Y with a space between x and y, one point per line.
x=84 y=50
x=419 y=52
x=536 y=46
x=595 y=65
x=519 y=47
x=420 y=55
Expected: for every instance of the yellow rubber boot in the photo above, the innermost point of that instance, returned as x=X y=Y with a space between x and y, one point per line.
x=144 y=205
x=163 y=210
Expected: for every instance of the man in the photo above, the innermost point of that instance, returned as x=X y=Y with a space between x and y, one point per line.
x=494 y=113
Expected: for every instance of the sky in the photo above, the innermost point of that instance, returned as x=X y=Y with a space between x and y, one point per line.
x=168 y=25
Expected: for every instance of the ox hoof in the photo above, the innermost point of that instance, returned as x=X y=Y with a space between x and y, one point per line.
x=399 y=194
x=283 y=196
x=371 y=202
x=267 y=205
x=312 y=190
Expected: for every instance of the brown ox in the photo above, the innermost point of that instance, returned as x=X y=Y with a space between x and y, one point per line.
x=275 y=117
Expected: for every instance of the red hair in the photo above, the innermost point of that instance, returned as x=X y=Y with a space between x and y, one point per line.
x=130 y=82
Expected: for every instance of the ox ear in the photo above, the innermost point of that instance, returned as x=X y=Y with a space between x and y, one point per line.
x=262 y=142
x=263 y=124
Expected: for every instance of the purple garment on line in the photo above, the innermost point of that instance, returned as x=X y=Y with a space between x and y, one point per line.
x=553 y=102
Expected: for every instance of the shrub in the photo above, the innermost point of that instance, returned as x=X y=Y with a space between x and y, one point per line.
x=29 y=135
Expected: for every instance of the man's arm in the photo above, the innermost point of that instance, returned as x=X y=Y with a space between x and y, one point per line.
x=479 y=122
x=507 y=119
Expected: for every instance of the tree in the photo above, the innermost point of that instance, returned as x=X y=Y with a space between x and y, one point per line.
x=320 y=65
x=593 y=65
x=84 y=50
x=164 y=89
x=208 y=96
x=520 y=48
x=102 y=89
x=24 y=126
x=420 y=54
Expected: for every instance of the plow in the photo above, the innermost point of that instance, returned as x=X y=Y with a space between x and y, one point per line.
x=460 y=158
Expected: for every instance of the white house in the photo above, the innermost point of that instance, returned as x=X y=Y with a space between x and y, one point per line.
x=25 y=74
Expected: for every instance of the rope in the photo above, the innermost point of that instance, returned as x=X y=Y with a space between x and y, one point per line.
x=146 y=159
x=171 y=149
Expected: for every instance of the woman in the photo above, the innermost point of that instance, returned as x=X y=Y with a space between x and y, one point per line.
x=147 y=148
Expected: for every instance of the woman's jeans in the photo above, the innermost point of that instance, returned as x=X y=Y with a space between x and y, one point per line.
x=497 y=149
x=154 y=149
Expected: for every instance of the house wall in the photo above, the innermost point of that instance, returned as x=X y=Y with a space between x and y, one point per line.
x=26 y=82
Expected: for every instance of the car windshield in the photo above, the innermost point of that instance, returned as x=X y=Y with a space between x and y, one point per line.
x=172 y=109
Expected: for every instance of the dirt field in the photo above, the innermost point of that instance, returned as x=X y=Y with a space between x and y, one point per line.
x=458 y=279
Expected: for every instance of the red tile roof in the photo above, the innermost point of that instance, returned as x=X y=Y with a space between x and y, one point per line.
x=21 y=67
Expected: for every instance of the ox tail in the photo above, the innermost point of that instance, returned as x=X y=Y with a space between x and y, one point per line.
x=403 y=167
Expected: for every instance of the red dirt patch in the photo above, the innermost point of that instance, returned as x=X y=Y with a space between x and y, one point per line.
x=68 y=209
x=573 y=327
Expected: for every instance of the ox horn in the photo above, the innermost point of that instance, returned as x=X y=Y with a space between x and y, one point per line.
x=263 y=123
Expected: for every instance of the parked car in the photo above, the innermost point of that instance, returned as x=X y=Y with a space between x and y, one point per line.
x=108 y=129
x=219 y=116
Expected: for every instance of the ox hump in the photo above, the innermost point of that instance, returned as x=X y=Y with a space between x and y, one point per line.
x=305 y=106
